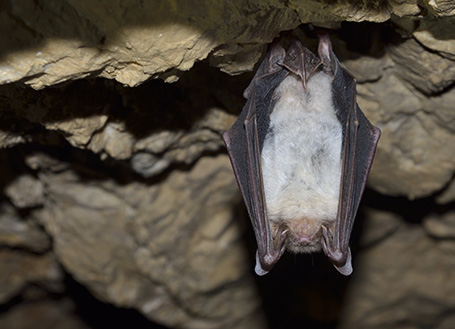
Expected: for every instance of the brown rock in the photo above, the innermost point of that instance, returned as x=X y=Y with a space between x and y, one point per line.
x=132 y=191
x=42 y=315
x=16 y=232
x=25 y=192
x=441 y=7
x=406 y=280
x=20 y=268
x=118 y=240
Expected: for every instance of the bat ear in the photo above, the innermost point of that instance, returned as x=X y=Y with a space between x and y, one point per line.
x=325 y=47
x=301 y=61
x=258 y=268
x=271 y=63
x=346 y=269
x=326 y=53
x=276 y=54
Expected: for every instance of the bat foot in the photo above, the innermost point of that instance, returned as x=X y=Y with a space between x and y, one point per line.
x=346 y=269
x=340 y=257
x=258 y=268
x=265 y=264
x=266 y=261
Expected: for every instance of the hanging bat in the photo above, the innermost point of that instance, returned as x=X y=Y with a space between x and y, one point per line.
x=301 y=151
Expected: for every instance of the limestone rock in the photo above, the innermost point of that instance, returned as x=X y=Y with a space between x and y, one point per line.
x=19 y=268
x=447 y=195
x=130 y=191
x=79 y=131
x=118 y=241
x=25 y=192
x=146 y=42
x=412 y=124
x=404 y=153
x=428 y=72
x=404 y=280
x=156 y=152
x=75 y=39
x=8 y=139
x=442 y=227
x=16 y=232
x=441 y=7
x=42 y=315
x=438 y=36
x=378 y=226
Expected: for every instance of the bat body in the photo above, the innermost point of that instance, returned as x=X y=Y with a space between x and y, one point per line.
x=301 y=164
x=301 y=151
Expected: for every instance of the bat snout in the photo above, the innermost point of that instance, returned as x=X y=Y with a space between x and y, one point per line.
x=305 y=240
x=303 y=235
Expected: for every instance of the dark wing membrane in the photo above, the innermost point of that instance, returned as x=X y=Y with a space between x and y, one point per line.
x=360 y=138
x=244 y=141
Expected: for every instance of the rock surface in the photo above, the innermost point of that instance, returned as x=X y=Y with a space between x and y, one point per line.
x=47 y=315
x=133 y=41
x=129 y=233
x=412 y=287
x=129 y=192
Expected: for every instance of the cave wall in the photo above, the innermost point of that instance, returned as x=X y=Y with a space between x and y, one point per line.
x=115 y=180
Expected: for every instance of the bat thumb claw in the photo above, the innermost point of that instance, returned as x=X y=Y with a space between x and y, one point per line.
x=346 y=269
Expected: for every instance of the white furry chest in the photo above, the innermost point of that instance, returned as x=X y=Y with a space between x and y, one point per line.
x=301 y=156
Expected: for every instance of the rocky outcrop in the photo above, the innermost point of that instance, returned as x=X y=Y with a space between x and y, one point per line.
x=129 y=191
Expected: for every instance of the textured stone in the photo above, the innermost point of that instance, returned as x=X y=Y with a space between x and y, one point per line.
x=74 y=39
x=25 y=192
x=426 y=71
x=79 y=131
x=438 y=35
x=403 y=156
x=378 y=226
x=38 y=161
x=413 y=125
x=354 y=11
x=406 y=282
x=42 y=315
x=442 y=227
x=163 y=148
x=113 y=140
x=16 y=232
x=7 y=139
x=440 y=106
x=20 y=268
x=131 y=187
x=441 y=7
x=118 y=240
x=447 y=195
x=131 y=47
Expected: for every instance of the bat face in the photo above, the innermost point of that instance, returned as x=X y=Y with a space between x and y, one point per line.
x=301 y=151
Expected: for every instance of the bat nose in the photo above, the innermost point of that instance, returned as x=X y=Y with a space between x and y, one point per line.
x=305 y=240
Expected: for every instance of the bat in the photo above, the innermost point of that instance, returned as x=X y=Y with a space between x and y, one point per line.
x=301 y=151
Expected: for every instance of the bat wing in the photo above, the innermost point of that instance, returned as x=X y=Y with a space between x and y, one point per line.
x=244 y=141
x=360 y=138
